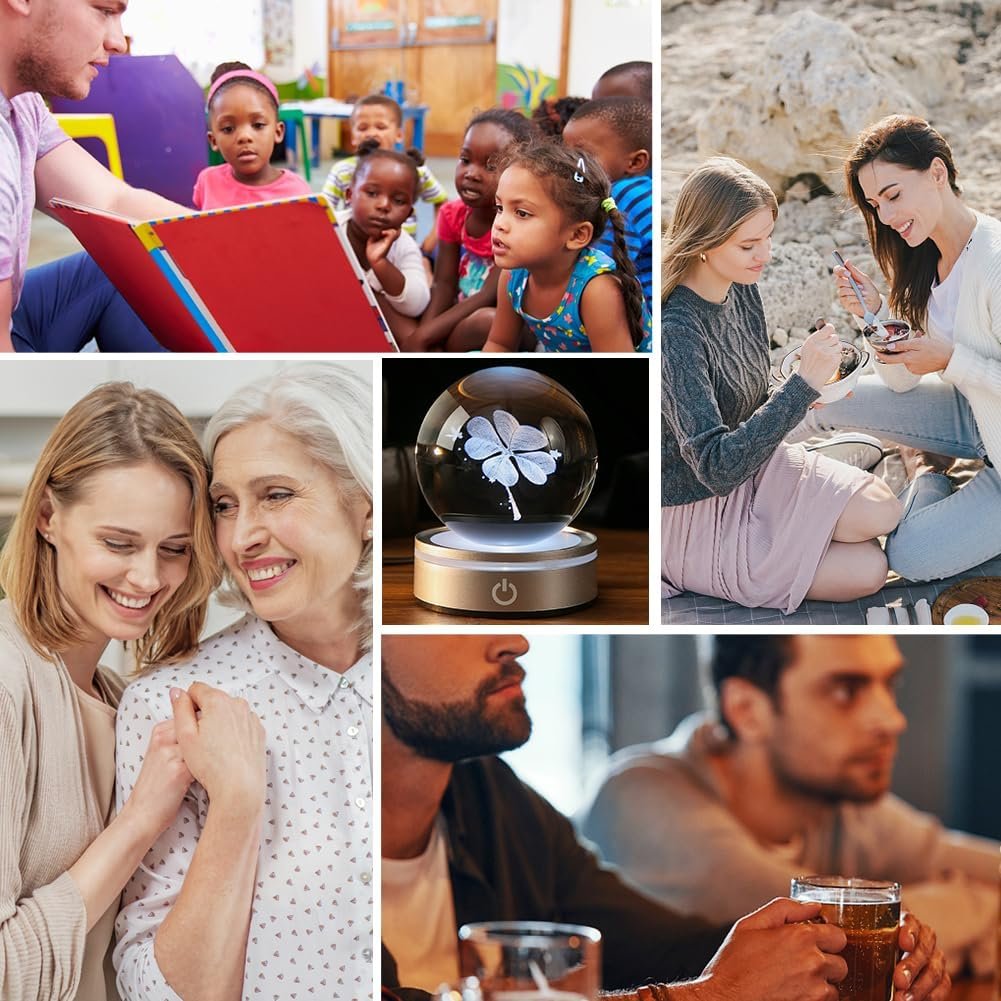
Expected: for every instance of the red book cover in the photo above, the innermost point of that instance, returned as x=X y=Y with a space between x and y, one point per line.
x=112 y=242
x=272 y=276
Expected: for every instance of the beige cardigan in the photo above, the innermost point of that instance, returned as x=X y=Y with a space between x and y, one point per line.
x=48 y=816
x=975 y=367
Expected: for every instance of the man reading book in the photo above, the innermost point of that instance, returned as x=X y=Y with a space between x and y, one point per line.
x=56 y=48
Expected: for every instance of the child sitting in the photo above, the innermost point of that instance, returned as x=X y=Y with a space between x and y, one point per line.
x=465 y=283
x=380 y=199
x=616 y=131
x=380 y=118
x=632 y=79
x=242 y=114
x=551 y=202
x=550 y=116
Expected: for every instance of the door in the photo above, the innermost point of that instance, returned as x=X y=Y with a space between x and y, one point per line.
x=444 y=51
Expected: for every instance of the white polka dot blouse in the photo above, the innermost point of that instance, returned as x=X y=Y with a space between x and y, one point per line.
x=311 y=923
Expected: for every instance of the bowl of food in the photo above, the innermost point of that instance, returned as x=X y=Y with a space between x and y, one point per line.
x=889 y=332
x=853 y=361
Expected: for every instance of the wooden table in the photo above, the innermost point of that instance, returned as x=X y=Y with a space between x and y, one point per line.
x=623 y=594
x=972 y=990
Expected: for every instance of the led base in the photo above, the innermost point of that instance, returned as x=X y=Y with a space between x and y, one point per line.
x=544 y=582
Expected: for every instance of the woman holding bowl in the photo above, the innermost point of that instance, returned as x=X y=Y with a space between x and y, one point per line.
x=745 y=516
x=942 y=261
x=262 y=882
x=85 y=564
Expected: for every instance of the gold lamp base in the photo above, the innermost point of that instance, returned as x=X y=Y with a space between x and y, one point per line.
x=545 y=582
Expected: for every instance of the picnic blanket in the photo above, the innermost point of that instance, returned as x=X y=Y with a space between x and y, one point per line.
x=699 y=609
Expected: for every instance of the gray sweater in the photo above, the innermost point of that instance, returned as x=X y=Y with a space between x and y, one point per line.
x=718 y=423
x=660 y=816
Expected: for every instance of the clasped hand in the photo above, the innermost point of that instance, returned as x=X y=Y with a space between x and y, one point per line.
x=223 y=745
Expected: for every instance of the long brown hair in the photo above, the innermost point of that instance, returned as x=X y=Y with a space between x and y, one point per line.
x=716 y=198
x=911 y=143
x=579 y=195
x=113 y=425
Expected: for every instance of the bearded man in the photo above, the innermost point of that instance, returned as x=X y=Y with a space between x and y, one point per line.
x=791 y=776
x=56 y=48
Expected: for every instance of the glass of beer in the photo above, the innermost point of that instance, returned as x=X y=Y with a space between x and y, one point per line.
x=532 y=960
x=868 y=911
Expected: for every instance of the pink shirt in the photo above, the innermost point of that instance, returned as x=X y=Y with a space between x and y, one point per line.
x=476 y=253
x=452 y=228
x=27 y=133
x=217 y=188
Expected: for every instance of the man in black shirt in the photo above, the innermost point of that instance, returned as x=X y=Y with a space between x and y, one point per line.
x=464 y=840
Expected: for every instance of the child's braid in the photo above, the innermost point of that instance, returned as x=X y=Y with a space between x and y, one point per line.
x=625 y=274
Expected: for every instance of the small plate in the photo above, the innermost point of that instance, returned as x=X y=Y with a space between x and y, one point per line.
x=983 y=591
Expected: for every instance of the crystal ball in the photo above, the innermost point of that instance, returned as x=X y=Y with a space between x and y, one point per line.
x=506 y=458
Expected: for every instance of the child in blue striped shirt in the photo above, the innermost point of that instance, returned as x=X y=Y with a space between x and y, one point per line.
x=617 y=132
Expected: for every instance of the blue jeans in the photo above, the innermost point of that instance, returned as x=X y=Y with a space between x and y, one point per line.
x=942 y=531
x=66 y=303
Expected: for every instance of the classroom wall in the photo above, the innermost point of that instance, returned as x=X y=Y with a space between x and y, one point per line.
x=604 y=33
x=311 y=37
x=295 y=44
x=528 y=51
x=529 y=44
x=287 y=37
x=200 y=34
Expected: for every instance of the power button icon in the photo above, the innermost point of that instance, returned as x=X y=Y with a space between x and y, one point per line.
x=504 y=592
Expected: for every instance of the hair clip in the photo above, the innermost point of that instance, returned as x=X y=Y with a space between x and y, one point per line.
x=608 y=204
x=579 y=172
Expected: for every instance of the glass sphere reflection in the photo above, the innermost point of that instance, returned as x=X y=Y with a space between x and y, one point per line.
x=506 y=458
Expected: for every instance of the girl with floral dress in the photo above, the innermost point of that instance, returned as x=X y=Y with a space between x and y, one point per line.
x=552 y=202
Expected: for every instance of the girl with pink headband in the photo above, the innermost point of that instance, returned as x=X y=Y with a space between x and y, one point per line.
x=242 y=114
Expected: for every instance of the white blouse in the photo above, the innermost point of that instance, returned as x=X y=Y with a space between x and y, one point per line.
x=311 y=922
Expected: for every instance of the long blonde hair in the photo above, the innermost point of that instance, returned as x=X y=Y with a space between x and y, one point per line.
x=714 y=200
x=113 y=425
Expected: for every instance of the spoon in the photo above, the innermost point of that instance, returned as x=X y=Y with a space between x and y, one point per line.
x=870 y=318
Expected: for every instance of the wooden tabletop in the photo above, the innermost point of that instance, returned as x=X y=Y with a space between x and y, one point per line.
x=623 y=596
x=972 y=990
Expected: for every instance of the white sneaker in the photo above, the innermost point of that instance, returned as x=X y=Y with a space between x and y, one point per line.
x=851 y=447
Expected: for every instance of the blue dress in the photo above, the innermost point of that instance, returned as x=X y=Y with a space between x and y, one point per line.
x=563 y=329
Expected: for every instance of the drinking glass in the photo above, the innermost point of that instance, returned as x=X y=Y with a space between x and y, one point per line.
x=532 y=960
x=868 y=912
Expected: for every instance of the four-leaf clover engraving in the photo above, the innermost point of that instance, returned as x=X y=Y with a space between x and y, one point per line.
x=510 y=451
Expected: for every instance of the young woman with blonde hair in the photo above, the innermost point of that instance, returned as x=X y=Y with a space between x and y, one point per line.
x=943 y=264
x=113 y=540
x=745 y=516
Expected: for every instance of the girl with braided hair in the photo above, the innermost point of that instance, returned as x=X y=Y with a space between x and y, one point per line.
x=552 y=202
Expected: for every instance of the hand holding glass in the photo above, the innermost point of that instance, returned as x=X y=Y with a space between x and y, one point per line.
x=868 y=912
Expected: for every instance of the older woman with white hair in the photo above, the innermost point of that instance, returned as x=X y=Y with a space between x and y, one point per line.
x=262 y=885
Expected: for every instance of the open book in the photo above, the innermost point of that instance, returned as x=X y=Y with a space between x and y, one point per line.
x=275 y=276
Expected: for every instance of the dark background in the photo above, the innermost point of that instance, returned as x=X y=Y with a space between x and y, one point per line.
x=614 y=393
